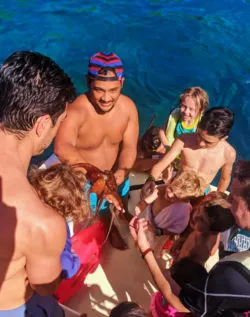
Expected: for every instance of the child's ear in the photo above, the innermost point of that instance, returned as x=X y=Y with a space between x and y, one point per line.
x=225 y=137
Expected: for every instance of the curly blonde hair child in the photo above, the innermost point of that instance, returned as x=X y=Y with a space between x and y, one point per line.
x=61 y=186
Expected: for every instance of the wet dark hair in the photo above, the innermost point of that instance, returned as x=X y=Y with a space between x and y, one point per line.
x=128 y=309
x=151 y=140
x=217 y=121
x=32 y=85
x=186 y=270
x=221 y=219
x=242 y=173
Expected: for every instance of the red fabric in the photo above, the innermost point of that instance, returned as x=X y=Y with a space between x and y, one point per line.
x=87 y=244
x=168 y=244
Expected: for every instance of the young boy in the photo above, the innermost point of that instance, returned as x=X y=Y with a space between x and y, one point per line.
x=205 y=151
x=210 y=217
x=168 y=208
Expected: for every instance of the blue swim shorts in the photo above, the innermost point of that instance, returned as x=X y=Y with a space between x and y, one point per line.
x=36 y=306
x=123 y=191
x=207 y=190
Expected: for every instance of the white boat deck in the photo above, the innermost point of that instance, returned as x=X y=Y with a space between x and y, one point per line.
x=120 y=276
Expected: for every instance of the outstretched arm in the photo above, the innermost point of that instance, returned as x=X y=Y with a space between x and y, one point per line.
x=226 y=172
x=168 y=158
x=159 y=167
x=163 y=283
x=129 y=145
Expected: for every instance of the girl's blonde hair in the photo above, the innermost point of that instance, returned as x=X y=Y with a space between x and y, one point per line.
x=61 y=187
x=199 y=95
x=187 y=185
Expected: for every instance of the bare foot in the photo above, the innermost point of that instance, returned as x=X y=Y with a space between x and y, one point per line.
x=116 y=239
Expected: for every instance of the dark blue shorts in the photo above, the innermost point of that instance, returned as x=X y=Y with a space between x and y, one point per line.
x=36 y=306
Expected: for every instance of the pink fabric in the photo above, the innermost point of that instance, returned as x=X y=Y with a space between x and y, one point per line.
x=160 y=310
x=174 y=218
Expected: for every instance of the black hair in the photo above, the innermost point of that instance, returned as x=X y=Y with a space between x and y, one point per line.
x=217 y=121
x=220 y=218
x=242 y=173
x=186 y=270
x=105 y=70
x=32 y=85
x=128 y=309
x=151 y=140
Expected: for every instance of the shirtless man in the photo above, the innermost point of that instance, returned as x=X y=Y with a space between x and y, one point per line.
x=205 y=151
x=34 y=92
x=102 y=126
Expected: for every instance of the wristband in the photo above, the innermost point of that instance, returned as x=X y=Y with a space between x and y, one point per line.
x=144 y=253
x=150 y=178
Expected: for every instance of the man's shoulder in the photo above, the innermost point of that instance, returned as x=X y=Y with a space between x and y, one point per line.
x=125 y=101
x=28 y=205
x=80 y=103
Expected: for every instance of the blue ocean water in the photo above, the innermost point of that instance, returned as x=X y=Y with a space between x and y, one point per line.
x=166 y=46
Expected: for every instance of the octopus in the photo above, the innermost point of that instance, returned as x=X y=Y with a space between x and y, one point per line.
x=103 y=184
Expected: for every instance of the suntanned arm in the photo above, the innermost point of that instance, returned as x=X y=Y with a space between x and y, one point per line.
x=226 y=172
x=129 y=145
x=163 y=137
x=46 y=244
x=66 y=138
x=168 y=158
x=164 y=285
x=144 y=164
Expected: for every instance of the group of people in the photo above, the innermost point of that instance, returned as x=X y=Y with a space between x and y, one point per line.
x=100 y=127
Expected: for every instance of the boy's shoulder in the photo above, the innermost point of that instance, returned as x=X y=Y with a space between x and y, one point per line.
x=189 y=139
x=229 y=151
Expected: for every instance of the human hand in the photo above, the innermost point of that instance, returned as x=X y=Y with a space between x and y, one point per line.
x=112 y=200
x=167 y=174
x=138 y=228
x=147 y=189
x=120 y=176
x=152 y=197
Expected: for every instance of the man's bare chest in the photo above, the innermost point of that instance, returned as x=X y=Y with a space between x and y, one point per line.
x=97 y=132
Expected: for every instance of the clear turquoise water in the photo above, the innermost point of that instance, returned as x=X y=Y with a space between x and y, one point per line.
x=166 y=46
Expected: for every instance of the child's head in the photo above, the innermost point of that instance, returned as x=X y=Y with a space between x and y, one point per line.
x=151 y=142
x=193 y=101
x=61 y=187
x=240 y=195
x=128 y=309
x=213 y=214
x=215 y=126
x=186 y=270
x=184 y=186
